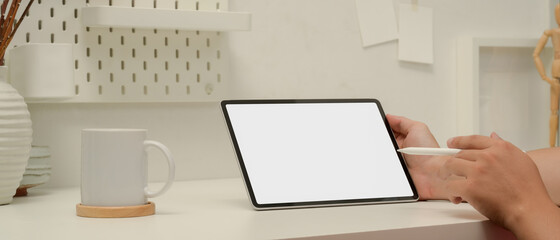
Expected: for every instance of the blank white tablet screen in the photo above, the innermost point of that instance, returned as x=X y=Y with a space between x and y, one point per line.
x=309 y=152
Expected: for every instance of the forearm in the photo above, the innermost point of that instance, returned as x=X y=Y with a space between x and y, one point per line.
x=548 y=163
x=537 y=221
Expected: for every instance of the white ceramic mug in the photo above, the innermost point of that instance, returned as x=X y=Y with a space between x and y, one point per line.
x=114 y=167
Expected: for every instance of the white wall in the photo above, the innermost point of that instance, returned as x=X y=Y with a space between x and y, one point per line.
x=313 y=49
x=194 y=132
x=296 y=49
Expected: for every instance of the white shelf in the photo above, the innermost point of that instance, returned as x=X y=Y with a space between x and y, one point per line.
x=111 y=16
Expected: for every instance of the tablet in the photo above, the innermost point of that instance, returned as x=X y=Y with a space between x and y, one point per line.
x=310 y=153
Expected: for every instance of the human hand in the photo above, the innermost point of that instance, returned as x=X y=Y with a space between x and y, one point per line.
x=499 y=180
x=409 y=133
x=423 y=169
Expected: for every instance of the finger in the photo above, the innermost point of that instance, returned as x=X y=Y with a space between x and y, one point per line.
x=494 y=135
x=456 y=200
x=404 y=125
x=455 y=190
x=396 y=123
x=468 y=154
x=455 y=166
x=470 y=142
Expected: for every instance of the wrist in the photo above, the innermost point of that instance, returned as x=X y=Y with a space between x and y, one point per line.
x=535 y=220
x=437 y=185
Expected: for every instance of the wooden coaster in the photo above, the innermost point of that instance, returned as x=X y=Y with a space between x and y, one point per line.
x=115 y=212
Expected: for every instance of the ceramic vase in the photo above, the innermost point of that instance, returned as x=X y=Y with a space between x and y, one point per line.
x=15 y=138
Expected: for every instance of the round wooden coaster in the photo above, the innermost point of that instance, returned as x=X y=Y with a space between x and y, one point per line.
x=116 y=212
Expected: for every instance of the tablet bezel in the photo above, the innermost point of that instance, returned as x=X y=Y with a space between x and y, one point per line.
x=247 y=180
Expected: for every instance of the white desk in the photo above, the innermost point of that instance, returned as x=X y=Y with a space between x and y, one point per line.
x=219 y=209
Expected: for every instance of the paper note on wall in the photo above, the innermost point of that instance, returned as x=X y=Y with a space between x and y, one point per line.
x=416 y=43
x=377 y=20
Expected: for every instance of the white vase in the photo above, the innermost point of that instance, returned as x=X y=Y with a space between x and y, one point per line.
x=15 y=138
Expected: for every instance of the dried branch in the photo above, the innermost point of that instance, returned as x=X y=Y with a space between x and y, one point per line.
x=7 y=20
x=20 y=20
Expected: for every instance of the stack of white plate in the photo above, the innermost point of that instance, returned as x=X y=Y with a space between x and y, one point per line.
x=38 y=170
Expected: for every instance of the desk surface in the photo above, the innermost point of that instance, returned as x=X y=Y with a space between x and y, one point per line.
x=220 y=209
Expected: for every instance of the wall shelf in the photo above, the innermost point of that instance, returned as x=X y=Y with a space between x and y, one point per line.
x=145 y=18
x=139 y=51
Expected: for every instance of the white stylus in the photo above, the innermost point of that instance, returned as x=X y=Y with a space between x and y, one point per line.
x=429 y=151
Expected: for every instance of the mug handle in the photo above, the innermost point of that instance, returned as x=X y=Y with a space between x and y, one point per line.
x=170 y=163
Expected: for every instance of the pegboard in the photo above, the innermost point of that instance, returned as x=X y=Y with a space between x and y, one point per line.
x=133 y=65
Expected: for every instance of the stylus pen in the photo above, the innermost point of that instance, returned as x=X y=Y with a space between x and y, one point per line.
x=429 y=151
